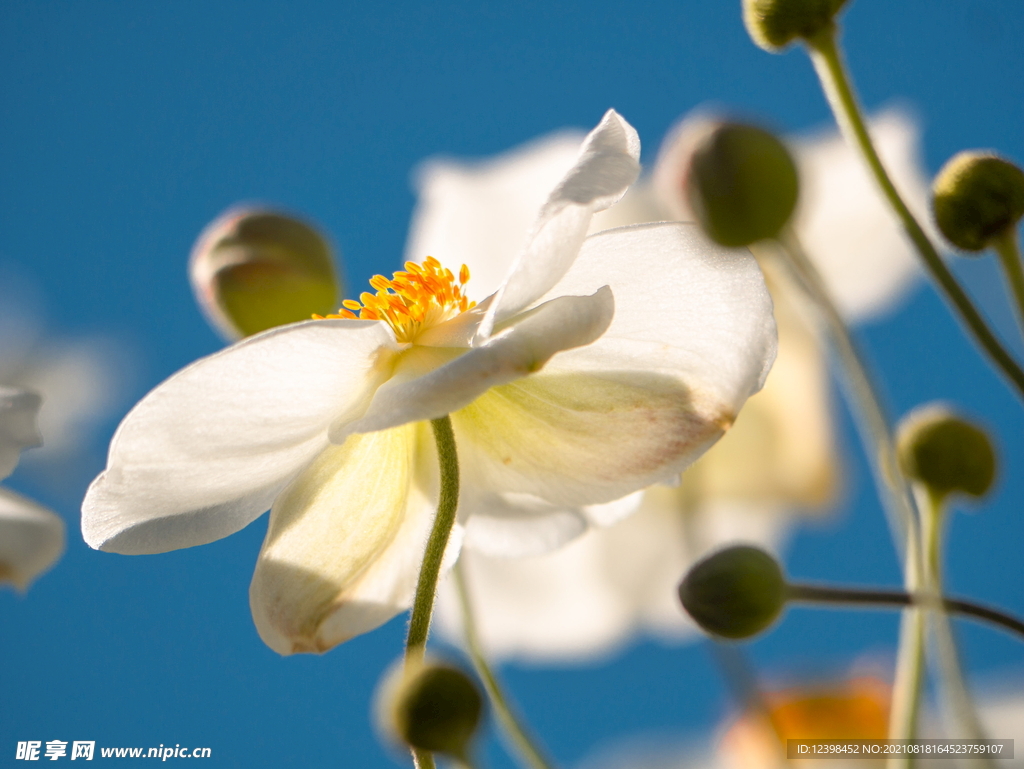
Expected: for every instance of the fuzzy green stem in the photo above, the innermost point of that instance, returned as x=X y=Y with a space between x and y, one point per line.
x=514 y=731
x=430 y=569
x=828 y=63
x=946 y=658
x=1006 y=247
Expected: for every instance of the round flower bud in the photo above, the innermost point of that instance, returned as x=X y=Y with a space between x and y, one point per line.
x=945 y=453
x=734 y=593
x=773 y=24
x=741 y=184
x=976 y=197
x=252 y=270
x=435 y=707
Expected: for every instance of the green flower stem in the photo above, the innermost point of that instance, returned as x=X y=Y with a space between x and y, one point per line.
x=828 y=63
x=894 y=491
x=857 y=597
x=430 y=570
x=1006 y=246
x=510 y=724
x=947 y=660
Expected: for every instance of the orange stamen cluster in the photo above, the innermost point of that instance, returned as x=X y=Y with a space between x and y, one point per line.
x=412 y=300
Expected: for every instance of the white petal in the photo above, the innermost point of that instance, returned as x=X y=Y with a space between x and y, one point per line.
x=848 y=229
x=575 y=439
x=18 y=409
x=610 y=513
x=608 y=164
x=480 y=214
x=521 y=348
x=515 y=525
x=345 y=541
x=208 y=450
x=782 y=448
x=685 y=309
x=31 y=539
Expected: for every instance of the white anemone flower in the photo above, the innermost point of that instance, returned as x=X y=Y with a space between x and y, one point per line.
x=599 y=366
x=31 y=537
x=780 y=458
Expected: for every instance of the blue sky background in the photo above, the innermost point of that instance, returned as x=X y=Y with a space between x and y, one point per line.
x=126 y=127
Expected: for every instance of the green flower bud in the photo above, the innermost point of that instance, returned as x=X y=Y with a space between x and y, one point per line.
x=735 y=593
x=945 y=453
x=252 y=270
x=773 y=24
x=435 y=707
x=976 y=197
x=741 y=184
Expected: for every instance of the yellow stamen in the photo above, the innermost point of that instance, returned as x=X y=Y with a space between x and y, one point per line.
x=412 y=300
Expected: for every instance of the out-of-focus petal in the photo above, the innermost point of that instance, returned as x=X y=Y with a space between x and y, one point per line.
x=685 y=309
x=523 y=347
x=18 y=409
x=609 y=163
x=514 y=525
x=208 y=450
x=848 y=229
x=480 y=213
x=591 y=596
x=345 y=541
x=31 y=539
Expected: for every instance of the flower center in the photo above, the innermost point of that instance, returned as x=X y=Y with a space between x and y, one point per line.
x=412 y=300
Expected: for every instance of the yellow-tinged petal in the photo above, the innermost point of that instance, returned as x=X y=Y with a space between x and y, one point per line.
x=581 y=438
x=345 y=541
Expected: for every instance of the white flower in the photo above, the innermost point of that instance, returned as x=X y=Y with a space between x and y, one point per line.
x=324 y=420
x=31 y=537
x=778 y=460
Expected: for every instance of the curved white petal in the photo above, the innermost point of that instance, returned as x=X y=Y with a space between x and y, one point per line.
x=848 y=229
x=480 y=213
x=782 y=448
x=519 y=349
x=576 y=439
x=18 y=410
x=514 y=525
x=207 y=451
x=345 y=541
x=31 y=539
x=609 y=163
x=685 y=309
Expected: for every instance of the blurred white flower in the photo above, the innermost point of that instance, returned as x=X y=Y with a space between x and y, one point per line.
x=31 y=537
x=846 y=226
x=324 y=419
x=81 y=381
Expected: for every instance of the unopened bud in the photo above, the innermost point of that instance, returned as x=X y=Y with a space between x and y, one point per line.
x=252 y=270
x=741 y=184
x=945 y=453
x=773 y=24
x=734 y=593
x=435 y=707
x=977 y=196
